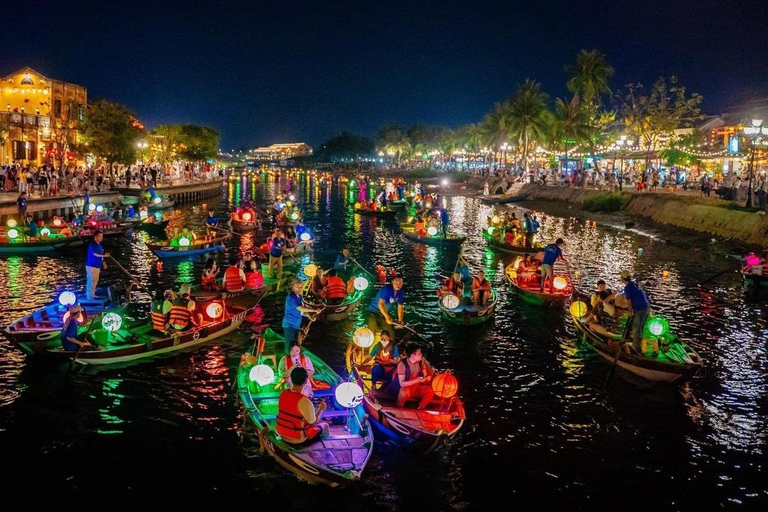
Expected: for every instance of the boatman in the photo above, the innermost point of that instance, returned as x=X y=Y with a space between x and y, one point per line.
x=94 y=264
x=388 y=296
x=531 y=226
x=276 y=253
x=639 y=307
x=292 y=314
x=444 y=221
x=552 y=253
x=342 y=260
x=69 y=339
x=211 y=222
x=21 y=203
x=297 y=419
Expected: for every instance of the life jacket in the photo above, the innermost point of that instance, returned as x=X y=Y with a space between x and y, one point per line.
x=480 y=285
x=453 y=287
x=334 y=288
x=179 y=316
x=254 y=279
x=289 y=363
x=233 y=282
x=158 y=317
x=290 y=422
x=208 y=281
x=385 y=359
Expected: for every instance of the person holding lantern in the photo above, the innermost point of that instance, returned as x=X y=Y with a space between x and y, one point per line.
x=388 y=296
x=414 y=374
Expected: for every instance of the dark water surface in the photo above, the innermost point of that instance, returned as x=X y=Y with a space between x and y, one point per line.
x=541 y=431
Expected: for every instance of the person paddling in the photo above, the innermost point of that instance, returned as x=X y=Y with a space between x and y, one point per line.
x=639 y=307
x=342 y=260
x=94 y=264
x=69 y=340
x=388 y=296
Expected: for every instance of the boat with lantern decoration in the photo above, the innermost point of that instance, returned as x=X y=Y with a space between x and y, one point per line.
x=529 y=288
x=433 y=237
x=187 y=247
x=161 y=203
x=462 y=311
x=118 y=344
x=301 y=247
x=13 y=242
x=675 y=360
x=337 y=459
x=755 y=271
x=423 y=430
x=398 y=203
x=291 y=218
x=329 y=312
x=154 y=229
x=269 y=284
x=755 y=280
x=40 y=330
x=382 y=214
x=243 y=226
x=501 y=246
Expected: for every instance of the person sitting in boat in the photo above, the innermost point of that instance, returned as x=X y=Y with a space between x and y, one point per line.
x=158 y=315
x=301 y=228
x=297 y=420
x=552 y=253
x=317 y=287
x=335 y=288
x=291 y=239
x=234 y=277
x=452 y=286
x=413 y=376
x=69 y=340
x=180 y=318
x=211 y=222
x=30 y=227
x=211 y=270
x=253 y=276
x=481 y=289
x=385 y=357
x=342 y=260
x=419 y=226
x=186 y=233
x=296 y=359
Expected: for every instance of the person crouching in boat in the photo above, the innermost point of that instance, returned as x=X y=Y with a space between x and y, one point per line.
x=253 y=276
x=452 y=285
x=211 y=270
x=234 y=278
x=552 y=253
x=69 y=340
x=158 y=312
x=385 y=356
x=481 y=289
x=413 y=376
x=335 y=288
x=296 y=359
x=389 y=295
x=297 y=420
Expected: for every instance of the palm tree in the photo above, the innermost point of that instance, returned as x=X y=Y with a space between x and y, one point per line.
x=589 y=76
x=495 y=126
x=571 y=123
x=394 y=141
x=528 y=118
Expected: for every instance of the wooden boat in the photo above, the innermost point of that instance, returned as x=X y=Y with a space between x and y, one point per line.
x=243 y=226
x=301 y=248
x=270 y=284
x=136 y=342
x=501 y=246
x=382 y=214
x=336 y=460
x=398 y=203
x=421 y=430
x=154 y=229
x=467 y=313
x=162 y=205
x=680 y=362
x=335 y=312
x=755 y=280
x=451 y=241
x=198 y=247
x=531 y=293
x=25 y=245
x=40 y=330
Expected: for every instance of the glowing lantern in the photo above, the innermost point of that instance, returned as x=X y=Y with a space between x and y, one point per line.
x=247 y=216
x=349 y=394
x=451 y=301
x=158 y=200
x=288 y=203
x=657 y=326
x=495 y=219
x=184 y=242
x=310 y=270
x=559 y=283
x=292 y=197
x=357 y=206
x=57 y=222
x=143 y=214
x=12 y=224
x=12 y=234
x=91 y=207
x=45 y=232
x=159 y=217
x=214 y=310
x=111 y=322
x=99 y=208
x=295 y=216
x=578 y=309
x=360 y=283
x=490 y=230
x=67 y=298
x=445 y=385
x=305 y=237
x=665 y=274
x=262 y=375
x=363 y=337
x=159 y=265
x=751 y=260
x=432 y=231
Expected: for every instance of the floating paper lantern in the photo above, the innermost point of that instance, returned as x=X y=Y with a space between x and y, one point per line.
x=91 y=207
x=292 y=197
x=45 y=232
x=305 y=237
x=214 y=310
x=665 y=273
x=445 y=385
x=349 y=395
x=360 y=283
x=451 y=301
x=578 y=309
x=559 y=283
x=357 y=206
x=67 y=298
x=262 y=375
x=99 y=208
x=12 y=224
x=363 y=337
x=111 y=322
x=657 y=326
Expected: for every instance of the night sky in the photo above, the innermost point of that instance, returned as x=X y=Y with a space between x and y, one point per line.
x=264 y=72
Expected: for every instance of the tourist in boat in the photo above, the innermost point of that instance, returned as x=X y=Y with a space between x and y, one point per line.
x=452 y=285
x=481 y=289
x=291 y=239
x=531 y=227
x=69 y=340
x=639 y=307
x=413 y=376
x=297 y=420
x=211 y=222
x=30 y=227
x=180 y=317
x=158 y=315
x=335 y=288
x=552 y=253
x=419 y=226
x=169 y=295
x=296 y=359
x=317 y=285
x=253 y=276
x=186 y=233
x=276 y=253
x=94 y=264
x=342 y=260
x=292 y=314
x=390 y=295
x=234 y=277
x=211 y=270
x=385 y=357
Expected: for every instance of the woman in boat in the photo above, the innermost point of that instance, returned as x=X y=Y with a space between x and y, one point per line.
x=291 y=239
x=318 y=285
x=335 y=288
x=69 y=339
x=481 y=289
x=385 y=357
x=211 y=270
x=157 y=313
x=253 y=276
x=414 y=374
x=452 y=285
x=297 y=420
x=296 y=359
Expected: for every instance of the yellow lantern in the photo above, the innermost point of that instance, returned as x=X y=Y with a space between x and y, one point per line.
x=310 y=270
x=578 y=309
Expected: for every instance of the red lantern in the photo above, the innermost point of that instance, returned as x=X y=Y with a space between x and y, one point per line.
x=445 y=385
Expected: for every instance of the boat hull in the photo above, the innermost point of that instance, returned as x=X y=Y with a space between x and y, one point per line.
x=389 y=214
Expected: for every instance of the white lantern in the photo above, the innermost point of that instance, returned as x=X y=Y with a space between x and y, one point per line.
x=451 y=301
x=363 y=337
x=184 y=242
x=360 y=283
x=432 y=231
x=111 y=322
x=349 y=394
x=262 y=375
x=67 y=298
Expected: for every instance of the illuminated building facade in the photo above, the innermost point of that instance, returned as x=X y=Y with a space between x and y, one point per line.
x=281 y=151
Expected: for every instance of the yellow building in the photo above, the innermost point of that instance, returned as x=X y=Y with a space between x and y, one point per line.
x=281 y=151
x=40 y=118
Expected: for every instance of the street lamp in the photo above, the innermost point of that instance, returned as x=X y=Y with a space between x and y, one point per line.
x=621 y=144
x=753 y=133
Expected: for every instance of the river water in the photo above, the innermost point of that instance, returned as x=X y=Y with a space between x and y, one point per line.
x=541 y=430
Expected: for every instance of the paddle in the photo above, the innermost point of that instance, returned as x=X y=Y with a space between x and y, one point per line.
x=132 y=278
x=353 y=260
x=618 y=351
x=225 y=230
x=85 y=338
x=714 y=277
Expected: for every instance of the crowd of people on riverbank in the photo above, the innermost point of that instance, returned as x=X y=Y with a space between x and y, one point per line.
x=46 y=180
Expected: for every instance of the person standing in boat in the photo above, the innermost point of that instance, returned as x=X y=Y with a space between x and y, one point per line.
x=276 y=253
x=21 y=204
x=69 y=340
x=552 y=253
x=531 y=227
x=639 y=307
x=342 y=260
x=413 y=376
x=94 y=264
x=388 y=296
x=297 y=420
x=292 y=314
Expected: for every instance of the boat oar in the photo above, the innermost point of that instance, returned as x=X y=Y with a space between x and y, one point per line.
x=714 y=277
x=85 y=338
x=353 y=260
x=618 y=352
x=225 y=230
x=132 y=278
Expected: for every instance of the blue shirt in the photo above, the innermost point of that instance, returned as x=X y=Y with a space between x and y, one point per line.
x=93 y=260
x=443 y=215
x=212 y=221
x=22 y=202
x=389 y=296
x=277 y=247
x=551 y=253
x=341 y=262
x=69 y=331
x=32 y=228
x=291 y=315
x=636 y=296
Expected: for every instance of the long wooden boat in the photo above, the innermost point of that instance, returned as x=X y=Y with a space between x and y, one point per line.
x=382 y=214
x=198 y=247
x=501 y=246
x=335 y=312
x=243 y=226
x=336 y=460
x=136 y=342
x=39 y=331
x=467 y=313
x=531 y=293
x=755 y=280
x=26 y=245
x=198 y=294
x=452 y=240
x=162 y=205
x=678 y=363
x=155 y=229
x=422 y=430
